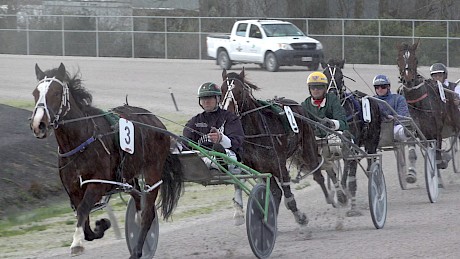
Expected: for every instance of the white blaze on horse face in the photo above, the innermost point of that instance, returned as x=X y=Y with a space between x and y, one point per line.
x=40 y=106
x=39 y=112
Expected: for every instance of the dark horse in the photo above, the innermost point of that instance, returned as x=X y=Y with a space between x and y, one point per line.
x=426 y=107
x=89 y=150
x=365 y=134
x=269 y=141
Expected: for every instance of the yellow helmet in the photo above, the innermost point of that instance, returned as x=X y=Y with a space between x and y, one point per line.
x=317 y=78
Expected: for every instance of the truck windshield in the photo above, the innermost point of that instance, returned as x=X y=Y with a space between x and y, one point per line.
x=281 y=30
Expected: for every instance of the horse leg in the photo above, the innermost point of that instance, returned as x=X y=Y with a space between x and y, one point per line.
x=276 y=192
x=290 y=202
x=341 y=196
x=319 y=178
x=352 y=187
x=238 y=217
x=83 y=229
x=441 y=164
x=148 y=214
x=412 y=173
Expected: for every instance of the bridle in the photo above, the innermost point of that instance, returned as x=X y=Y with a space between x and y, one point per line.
x=405 y=72
x=332 y=83
x=43 y=87
x=229 y=96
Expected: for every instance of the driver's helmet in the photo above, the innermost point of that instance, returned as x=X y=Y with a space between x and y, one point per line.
x=381 y=80
x=438 y=68
x=209 y=89
x=317 y=79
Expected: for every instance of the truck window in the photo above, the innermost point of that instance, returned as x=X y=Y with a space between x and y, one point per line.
x=241 y=29
x=254 y=32
x=281 y=30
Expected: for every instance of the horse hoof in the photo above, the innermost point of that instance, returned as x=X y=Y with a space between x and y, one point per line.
x=301 y=218
x=238 y=220
x=76 y=250
x=103 y=224
x=411 y=176
x=354 y=213
x=342 y=198
x=442 y=165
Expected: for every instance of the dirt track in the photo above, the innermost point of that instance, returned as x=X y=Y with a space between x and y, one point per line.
x=414 y=227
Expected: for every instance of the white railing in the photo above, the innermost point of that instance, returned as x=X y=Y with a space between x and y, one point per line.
x=357 y=40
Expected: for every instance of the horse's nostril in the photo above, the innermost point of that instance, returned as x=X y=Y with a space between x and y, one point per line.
x=42 y=126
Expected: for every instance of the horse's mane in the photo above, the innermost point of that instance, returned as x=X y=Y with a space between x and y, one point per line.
x=81 y=96
x=235 y=75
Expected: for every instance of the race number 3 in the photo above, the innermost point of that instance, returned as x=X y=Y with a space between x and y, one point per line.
x=126 y=129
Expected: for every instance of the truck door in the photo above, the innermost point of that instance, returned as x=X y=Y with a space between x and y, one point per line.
x=253 y=44
x=236 y=42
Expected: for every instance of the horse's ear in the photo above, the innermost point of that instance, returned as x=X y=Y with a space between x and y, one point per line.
x=398 y=46
x=61 y=72
x=242 y=73
x=39 y=73
x=224 y=74
x=342 y=64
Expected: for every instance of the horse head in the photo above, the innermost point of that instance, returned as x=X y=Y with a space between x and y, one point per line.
x=237 y=92
x=334 y=74
x=51 y=100
x=407 y=63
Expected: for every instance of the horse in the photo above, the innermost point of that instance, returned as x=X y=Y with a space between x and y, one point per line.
x=365 y=134
x=269 y=142
x=90 y=157
x=431 y=112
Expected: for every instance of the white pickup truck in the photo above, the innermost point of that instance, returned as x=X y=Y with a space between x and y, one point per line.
x=270 y=43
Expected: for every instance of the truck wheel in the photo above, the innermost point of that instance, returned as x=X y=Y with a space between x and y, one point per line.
x=313 y=66
x=224 y=60
x=271 y=63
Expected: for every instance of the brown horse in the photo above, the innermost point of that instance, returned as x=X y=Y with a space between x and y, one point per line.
x=365 y=134
x=269 y=142
x=91 y=163
x=430 y=112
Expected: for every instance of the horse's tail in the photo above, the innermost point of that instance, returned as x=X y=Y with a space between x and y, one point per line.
x=172 y=186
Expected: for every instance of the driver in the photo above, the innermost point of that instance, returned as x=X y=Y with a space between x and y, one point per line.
x=398 y=103
x=438 y=72
x=220 y=130
x=323 y=106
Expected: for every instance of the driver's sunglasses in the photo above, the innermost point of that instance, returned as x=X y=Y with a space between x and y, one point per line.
x=381 y=86
x=317 y=87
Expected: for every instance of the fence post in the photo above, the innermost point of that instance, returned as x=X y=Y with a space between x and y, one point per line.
x=27 y=34
x=447 y=45
x=166 y=38
x=380 y=45
x=63 y=34
x=199 y=38
x=97 y=36
x=132 y=37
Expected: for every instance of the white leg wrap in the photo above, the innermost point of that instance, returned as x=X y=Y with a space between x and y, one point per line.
x=238 y=196
x=78 y=237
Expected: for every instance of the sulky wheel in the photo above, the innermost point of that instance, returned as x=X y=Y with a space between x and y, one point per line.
x=431 y=173
x=400 y=155
x=132 y=232
x=377 y=195
x=455 y=148
x=261 y=234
